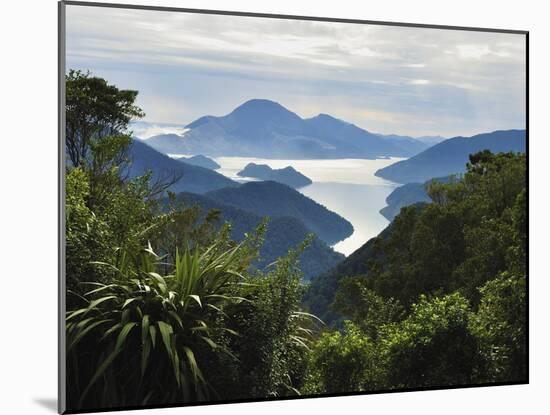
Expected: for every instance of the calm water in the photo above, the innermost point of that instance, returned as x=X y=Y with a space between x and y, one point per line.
x=345 y=186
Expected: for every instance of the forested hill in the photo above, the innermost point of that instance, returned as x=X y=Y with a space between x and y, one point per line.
x=287 y=175
x=276 y=200
x=283 y=233
x=323 y=288
x=472 y=232
x=164 y=169
x=451 y=156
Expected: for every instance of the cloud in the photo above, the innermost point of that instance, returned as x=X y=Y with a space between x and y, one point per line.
x=415 y=65
x=186 y=65
x=420 y=82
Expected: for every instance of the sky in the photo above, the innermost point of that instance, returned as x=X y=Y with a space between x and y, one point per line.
x=385 y=79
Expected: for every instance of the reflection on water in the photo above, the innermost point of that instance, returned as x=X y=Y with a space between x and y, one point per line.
x=356 y=171
x=345 y=186
x=358 y=203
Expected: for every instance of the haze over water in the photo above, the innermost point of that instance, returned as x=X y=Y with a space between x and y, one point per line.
x=345 y=186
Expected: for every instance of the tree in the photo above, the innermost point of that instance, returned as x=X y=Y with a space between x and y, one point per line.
x=346 y=361
x=433 y=346
x=95 y=109
x=354 y=300
x=275 y=335
x=474 y=230
x=500 y=325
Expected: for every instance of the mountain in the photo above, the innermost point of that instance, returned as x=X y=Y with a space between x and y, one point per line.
x=201 y=161
x=406 y=143
x=288 y=175
x=431 y=139
x=347 y=140
x=283 y=233
x=450 y=156
x=276 y=200
x=164 y=169
x=408 y=194
x=263 y=128
x=413 y=144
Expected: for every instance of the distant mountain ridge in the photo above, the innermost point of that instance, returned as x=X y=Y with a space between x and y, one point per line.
x=201 y=161
x=287 y=175
x=417 y=144
x=264 y=128
x=450 y=156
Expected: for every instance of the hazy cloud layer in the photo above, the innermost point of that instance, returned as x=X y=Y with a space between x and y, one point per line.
x=385 y=79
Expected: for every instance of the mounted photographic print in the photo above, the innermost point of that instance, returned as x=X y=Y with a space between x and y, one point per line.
x=259 y=207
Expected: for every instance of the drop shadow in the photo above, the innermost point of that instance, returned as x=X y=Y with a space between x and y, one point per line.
x=48 y=403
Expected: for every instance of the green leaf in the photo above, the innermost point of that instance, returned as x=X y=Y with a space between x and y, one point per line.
x=83 y=332
x=197 y=374
x=102 y=368
x=129 y=301
x=153 y=333
x=166 y=331
x=145 y=351
x=176 y=317
x=97 y=302
x=103 y=287
x=196 y=298
x=123 y=334
x=144 y=328
x=210 y=342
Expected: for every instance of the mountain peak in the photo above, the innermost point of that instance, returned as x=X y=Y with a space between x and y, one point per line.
x=262 y=108
x=326 y=118
x=259 y=102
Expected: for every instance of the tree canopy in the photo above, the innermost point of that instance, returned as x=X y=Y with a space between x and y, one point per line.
x=94 y=109
x=164 y=307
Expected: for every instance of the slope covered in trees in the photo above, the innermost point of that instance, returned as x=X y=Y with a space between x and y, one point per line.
x=283 y=233
x=164 y=306
x=439 y=298
x=287 y=175
x=473 y=231
x=322 y=289
x=276 y=200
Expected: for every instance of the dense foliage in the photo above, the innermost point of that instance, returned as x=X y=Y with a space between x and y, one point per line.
x=166 y=306
x=282 y=233
x=409 y=194
x=441 y=299
x=161 y=306
x=94 y=110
